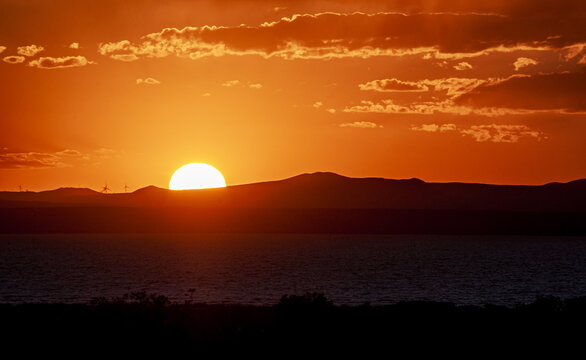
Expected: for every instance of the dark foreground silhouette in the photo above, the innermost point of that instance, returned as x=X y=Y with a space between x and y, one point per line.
x=308 y=325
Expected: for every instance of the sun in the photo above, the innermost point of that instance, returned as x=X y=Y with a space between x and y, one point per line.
x=196 y=176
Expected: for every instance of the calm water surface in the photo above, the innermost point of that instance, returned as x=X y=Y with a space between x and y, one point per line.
x=259 y=269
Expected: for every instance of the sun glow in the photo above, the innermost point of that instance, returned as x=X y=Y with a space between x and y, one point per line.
x=196 y=176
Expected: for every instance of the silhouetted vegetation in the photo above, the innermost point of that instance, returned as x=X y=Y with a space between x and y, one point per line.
x=143 y=323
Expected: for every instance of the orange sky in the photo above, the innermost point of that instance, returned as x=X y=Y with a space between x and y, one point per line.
x=128 y=91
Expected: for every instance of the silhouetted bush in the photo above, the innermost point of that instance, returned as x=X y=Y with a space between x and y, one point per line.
x=309 y=301
x=136 y=298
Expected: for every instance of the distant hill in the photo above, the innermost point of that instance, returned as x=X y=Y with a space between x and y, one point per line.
x=308 y=203
x=330 y=191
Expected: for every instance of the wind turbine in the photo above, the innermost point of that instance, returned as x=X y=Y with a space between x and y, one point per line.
x=105 y=189
x=126 y=188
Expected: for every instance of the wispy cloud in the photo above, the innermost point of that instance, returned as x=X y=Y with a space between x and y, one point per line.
x=555 y=92
x=463 y=66
x=392 y=85
x=65 y=158
x=451 y=86
x=517 y=94
x=486 y=133
x=523 y=62
x=231 y=83
x=237 y=83
x=361 y=125
x=60 y=62
x=330 y=35
x=147 y=81
x=30 y=50
x=13 y=59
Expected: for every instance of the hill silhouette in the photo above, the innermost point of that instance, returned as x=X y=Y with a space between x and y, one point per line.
x=318 y=202
x=328 y=190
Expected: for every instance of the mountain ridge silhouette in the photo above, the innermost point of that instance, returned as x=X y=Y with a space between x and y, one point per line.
x=307 y=203
x=327 y=190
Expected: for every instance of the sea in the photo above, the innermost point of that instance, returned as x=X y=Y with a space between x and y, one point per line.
x=258 y=269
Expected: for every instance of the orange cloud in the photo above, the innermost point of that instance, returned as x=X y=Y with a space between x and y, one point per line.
x=514 y=95
x=60 y=62
x=426 y=127
x=523 y=62
x=463 y=66
x=231 y=83
x=482 y=133
x=337 y=35
x=2 y=48
x=391 y=85
x=147 y=81
x=30 y=160
x=125 y=57
x=361 y=125
x=451 y=86
x=30 y=50
x=502 y=133
x=65 y=158
x=428 y=108
x=234 y=83
x=434 y=127
x=561 y=92
x=13 y=59
x=74 y=45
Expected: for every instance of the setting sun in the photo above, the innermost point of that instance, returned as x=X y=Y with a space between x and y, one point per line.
x=196 y=176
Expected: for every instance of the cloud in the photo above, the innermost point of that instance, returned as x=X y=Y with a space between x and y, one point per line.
x=523 y=62
x=361 y=125
x=65 y=158
x=483 y=133
x=206 y=94
x=74 y=45
x=428 y=108
x=13 y=59
x=514 y=95
x=330 y=35
x=60 y=62
x=235 y=83
x=317 y=104
x=559 y=92
x=451 y=86
x=391 y=85
x=31 y=160
x=426 y=127
x=231 y=83
x=147 y=81
x=30 y=50
x=463 y=66
x=331 y=111
x=502 y=133
x=2 y=48
x=125 y=57
x=447 y=127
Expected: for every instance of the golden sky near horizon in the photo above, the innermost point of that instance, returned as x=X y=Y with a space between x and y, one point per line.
x=126 y=92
